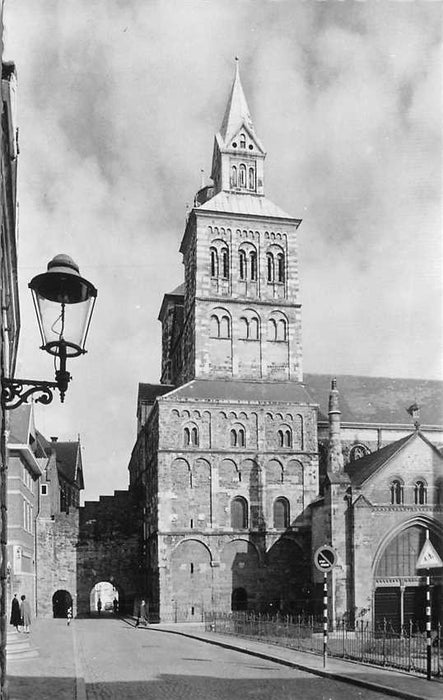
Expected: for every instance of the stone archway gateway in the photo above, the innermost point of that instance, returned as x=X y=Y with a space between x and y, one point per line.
x=104 y=598
x=61 y=601
x=399 y=589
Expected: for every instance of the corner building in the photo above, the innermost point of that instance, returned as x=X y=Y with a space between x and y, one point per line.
x=226 y=465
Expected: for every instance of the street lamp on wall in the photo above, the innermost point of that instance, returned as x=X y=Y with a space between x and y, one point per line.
x=64 y=302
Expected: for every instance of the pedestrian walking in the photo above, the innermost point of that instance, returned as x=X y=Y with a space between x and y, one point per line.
x=115 y=606
x=142 y=615
x=69 y=614
x=99 y=606
x=25 y=613
x=15 y=613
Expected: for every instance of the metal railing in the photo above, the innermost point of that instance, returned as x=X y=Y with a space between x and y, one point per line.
x=381 y=646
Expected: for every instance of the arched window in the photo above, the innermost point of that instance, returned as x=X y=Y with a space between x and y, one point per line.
x=239 y=513
x=214 y=262
x=253 y=265
x=190 y=436
x=281 y=513
x=214 y=330
x=281 y=267
x=251 y=179
x=233 y=438
x=281 y=329
x=224 y=327
x=280 y=438
x=287 y=438
x=194 y=436
x=253 y=329
x=244 y=328
x=242 y=171
x=242 y=264
x=241 y=437
x=233 y=176
x=242 y=141
x=225 y=263
x=396 y=492
x=270 y=267
x=272 y=329
x=420 y=493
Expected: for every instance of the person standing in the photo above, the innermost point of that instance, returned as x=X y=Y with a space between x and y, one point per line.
x=15 y=613
x=99 y=606
x=25 y=613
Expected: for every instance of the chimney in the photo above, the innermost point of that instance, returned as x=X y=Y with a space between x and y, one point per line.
x=54 y=439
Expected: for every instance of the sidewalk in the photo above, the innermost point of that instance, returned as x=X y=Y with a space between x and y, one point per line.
x=41 y=665
x=395 y=683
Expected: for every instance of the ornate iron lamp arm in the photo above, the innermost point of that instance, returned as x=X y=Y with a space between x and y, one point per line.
x=15 y=392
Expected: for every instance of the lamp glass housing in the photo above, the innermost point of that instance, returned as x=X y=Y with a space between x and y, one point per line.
x=64 y=302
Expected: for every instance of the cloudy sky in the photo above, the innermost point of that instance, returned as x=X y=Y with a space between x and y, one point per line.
x=119 y=101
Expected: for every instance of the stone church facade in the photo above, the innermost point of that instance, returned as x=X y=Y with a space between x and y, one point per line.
x=240 y=471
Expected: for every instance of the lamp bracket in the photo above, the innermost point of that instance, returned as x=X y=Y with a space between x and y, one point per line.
x=15 y=392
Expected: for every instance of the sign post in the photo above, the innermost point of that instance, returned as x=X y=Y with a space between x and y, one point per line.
x=325 y=558
x=428 y=559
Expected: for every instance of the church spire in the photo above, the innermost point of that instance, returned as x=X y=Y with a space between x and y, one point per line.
x=237 y=163
x=237 y=111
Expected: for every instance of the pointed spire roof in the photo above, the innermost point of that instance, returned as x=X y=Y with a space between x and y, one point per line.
x=237 y=110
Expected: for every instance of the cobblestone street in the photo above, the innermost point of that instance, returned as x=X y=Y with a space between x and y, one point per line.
x=113 y=660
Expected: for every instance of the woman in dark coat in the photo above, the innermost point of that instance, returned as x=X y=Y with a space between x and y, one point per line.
x=15 y=613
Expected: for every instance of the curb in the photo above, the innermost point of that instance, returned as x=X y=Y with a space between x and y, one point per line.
x=368 y=685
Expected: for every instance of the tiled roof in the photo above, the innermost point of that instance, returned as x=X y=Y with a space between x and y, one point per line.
x=239 y=203
x=67 y=455
x=363 y=468
x=379 y=399
x=147 y=393
x=231 y=390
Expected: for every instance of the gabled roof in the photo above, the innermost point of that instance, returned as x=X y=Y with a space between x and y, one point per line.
x=232 y=390
x=379 y=400
x=240 y=203
x=365 y=467
x=175 y=297
x=69 y=462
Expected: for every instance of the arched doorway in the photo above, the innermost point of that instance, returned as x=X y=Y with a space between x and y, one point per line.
x=399 y=588
x=104 y=599
x=61 y=601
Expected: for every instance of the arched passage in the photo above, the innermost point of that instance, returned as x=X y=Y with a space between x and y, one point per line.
x=104 y=599
x=399 y=590
x=61 y=601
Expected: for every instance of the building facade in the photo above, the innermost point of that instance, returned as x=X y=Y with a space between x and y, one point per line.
x=239 y=469
x=10 y=316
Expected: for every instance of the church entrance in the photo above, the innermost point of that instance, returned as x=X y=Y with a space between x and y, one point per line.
x=239 y=599
x=61 y=601
x=400 y=592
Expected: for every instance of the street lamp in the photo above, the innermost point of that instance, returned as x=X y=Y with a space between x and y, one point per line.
x=64 y=302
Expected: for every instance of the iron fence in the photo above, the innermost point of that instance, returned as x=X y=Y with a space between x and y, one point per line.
x=403 y=649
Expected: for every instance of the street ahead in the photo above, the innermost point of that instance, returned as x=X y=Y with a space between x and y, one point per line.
x=120 y=662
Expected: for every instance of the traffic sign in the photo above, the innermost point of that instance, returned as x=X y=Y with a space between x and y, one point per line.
x=325 y=558
x=428 y=557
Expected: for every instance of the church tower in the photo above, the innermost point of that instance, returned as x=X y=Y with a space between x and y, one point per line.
x=242 y=309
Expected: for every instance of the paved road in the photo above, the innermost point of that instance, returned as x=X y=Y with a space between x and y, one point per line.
x=119 y=662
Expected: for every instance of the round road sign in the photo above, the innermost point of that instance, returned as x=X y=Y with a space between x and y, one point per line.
x=325 y=558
